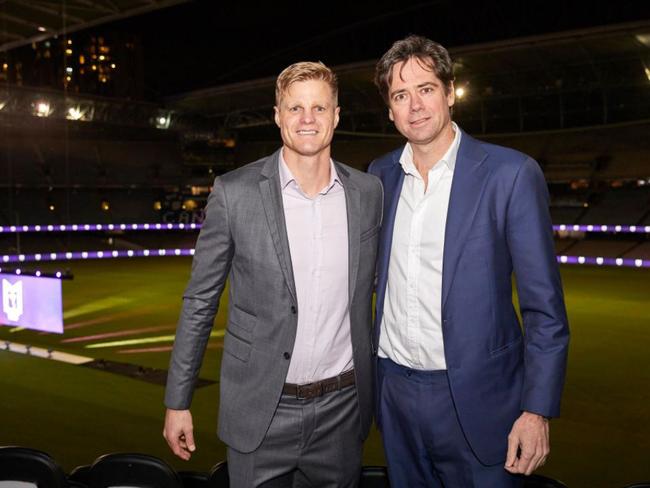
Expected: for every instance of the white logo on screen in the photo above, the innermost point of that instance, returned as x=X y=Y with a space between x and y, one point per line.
x=12 y=299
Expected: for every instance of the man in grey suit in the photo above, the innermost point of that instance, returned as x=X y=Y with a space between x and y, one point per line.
x=296 y=235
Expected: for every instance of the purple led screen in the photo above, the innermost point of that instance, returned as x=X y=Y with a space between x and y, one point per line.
x=31 y=302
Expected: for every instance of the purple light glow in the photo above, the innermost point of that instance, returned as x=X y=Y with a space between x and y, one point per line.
x=36 y=273
x=95 y=227
x=621 y=229
x=602 y=261
x=111 y=254
x=108 y=254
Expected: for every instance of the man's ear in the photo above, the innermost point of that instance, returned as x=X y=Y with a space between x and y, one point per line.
x=276 y=115
x=451 y=94
x=337 y=113
x=390 y=114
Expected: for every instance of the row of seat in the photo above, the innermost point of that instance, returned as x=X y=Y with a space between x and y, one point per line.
x=26 y=467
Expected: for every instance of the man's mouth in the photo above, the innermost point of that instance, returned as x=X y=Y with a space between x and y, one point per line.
x=307 y=132
x=419 y=121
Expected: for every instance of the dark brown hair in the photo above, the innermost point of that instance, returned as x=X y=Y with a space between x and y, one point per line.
x=429 y=53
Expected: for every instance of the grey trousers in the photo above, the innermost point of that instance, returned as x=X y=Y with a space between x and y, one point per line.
x=310 y=443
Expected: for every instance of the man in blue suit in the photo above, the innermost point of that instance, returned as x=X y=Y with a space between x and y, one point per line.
x=463 y=395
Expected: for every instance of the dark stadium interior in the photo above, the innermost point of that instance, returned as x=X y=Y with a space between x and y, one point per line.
x=123 y=112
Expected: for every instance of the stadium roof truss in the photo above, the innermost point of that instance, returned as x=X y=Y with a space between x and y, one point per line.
x=569 y=79
x=22 y=23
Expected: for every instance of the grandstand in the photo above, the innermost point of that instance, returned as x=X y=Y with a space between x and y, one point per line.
x=576 y=100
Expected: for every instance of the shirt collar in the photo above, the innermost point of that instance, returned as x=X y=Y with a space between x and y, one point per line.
x=286 y=176
x=448 y=159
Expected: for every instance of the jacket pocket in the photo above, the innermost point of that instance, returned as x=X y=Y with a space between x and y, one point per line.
x=512 y=345
x=241 y=318
x=236 y=345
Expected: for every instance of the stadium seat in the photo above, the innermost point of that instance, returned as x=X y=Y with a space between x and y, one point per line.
x=374 y=477
x=133 y=470
x=219 y=475
x=21 y=466
x=79 y=475
x=195 y=479
x=539 y=481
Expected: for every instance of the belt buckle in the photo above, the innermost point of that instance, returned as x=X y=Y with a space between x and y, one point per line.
x=310 y=390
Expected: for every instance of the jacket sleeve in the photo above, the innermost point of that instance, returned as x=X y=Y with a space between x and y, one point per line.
x=541 y=302
x=210 y=268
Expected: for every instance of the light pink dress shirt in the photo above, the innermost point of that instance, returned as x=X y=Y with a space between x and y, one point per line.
x=317 y=229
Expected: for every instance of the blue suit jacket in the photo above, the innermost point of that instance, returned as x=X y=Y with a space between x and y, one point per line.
x=497 y=223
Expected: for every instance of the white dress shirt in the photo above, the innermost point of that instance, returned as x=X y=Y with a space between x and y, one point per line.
x=411 y=328
x=317 y=229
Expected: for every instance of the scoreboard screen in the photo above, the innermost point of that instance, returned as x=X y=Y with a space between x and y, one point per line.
x=32 y=302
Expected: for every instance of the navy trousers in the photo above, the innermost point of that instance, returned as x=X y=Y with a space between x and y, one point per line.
x=423 y=440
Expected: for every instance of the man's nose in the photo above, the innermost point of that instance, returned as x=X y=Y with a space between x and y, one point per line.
x=307 y=117
x=416 y=103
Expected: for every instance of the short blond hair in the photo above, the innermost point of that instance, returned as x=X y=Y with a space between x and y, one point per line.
x=305 y=71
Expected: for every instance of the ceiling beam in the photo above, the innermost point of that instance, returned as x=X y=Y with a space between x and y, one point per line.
x=21 y=21
x=101 y=19
x=51 y=11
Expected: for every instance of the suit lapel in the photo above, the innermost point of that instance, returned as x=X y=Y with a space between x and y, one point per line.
x=272 y=202
x=470 y=177
x=392 y=179
x=353 y=206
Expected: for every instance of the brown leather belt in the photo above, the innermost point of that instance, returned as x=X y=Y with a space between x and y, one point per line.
x=319 y=388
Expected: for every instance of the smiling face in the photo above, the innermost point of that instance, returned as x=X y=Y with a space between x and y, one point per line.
x=419 y=103
x=307 y=115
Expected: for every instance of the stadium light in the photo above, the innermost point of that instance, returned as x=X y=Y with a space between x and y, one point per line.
x=461 y=92
x=82 y=111
x=41 y=108
x=163 y=120
x=74 y=113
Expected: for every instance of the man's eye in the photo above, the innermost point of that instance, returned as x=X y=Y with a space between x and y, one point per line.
x=294 y=109
x=320 y=109
x=399 y=97
x=427 y=89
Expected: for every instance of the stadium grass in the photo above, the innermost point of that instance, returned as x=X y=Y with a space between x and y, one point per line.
x=76 y=413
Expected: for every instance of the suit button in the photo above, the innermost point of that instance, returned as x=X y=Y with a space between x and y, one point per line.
x=293 y=309
x=287 y=356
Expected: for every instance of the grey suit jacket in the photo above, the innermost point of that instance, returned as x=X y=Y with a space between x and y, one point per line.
x=244 y=239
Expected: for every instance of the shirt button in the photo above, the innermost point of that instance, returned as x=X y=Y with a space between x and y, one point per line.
x=293 y=309
x=287 y=356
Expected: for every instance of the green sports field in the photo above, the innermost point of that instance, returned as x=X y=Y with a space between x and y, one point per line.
x=125 y=311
